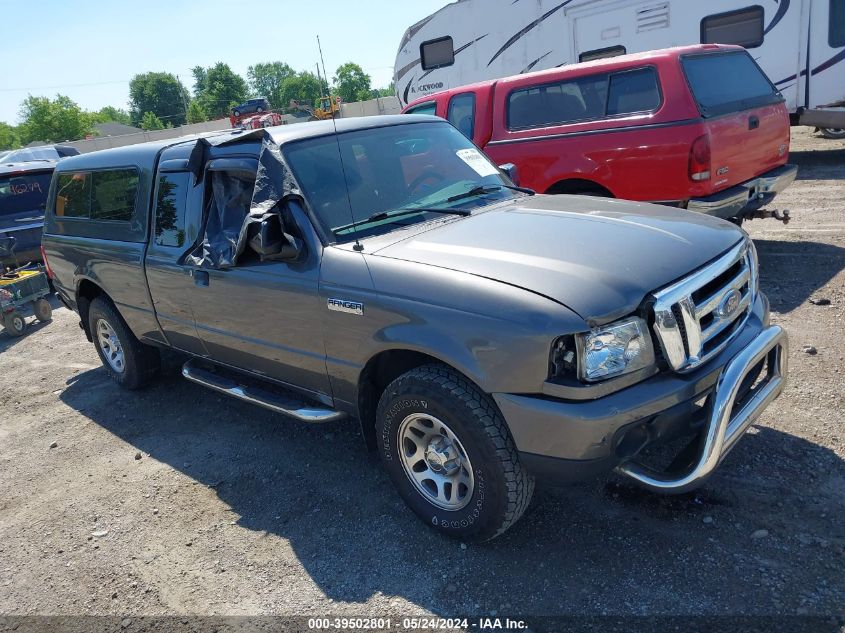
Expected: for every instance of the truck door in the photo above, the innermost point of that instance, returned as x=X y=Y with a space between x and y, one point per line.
x=260 y=316
x=176 y=225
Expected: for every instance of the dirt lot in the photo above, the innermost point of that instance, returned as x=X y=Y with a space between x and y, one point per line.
x=176 y=500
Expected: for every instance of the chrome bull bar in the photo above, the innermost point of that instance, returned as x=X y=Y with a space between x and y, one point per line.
x=724 y=429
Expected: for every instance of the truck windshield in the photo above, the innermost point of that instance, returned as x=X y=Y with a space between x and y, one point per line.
x=24 y=193
x=392 y=177
x=727 y=82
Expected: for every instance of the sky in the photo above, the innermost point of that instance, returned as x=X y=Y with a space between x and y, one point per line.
x=88 y=50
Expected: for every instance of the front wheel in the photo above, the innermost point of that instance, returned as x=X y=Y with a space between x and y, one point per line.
x=450 y=454
x=128 y=361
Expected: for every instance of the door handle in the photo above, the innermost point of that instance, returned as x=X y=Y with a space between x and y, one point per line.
x=200 y=277
x=753 y=123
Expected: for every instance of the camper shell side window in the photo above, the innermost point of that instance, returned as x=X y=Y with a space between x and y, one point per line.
x=98 y=203
x=743 y=27
x=589 y=98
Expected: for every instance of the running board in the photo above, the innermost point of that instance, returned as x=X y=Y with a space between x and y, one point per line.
x=285 y=404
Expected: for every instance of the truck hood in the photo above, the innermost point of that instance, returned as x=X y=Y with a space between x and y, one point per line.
x=598 y=257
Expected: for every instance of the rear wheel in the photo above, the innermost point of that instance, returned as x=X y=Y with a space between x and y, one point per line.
x=43 y=310
x=128 y=361
x=14 y=323
x=832 y=132
x=450 y=455
x=236 y=112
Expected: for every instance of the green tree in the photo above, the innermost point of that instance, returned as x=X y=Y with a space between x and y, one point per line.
x=195 y=113
x=9 y=138
x=390 y=91
x=53 y=120
x=151 y=122
x=218 y=89
x=160 y=93
x=302 y=86
x=352 y=83
x=110 y=113
x=268 y=80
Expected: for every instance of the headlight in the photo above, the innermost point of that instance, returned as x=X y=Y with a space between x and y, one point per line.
x=615 y=349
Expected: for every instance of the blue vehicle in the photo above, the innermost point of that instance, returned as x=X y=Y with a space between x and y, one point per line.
x=259 y=104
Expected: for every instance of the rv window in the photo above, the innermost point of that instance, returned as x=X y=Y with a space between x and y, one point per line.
x=98 y=195
x=836 y=35
x=437 y=53
x=602 y=53
x=462 y=113
x=429 y=107
x=743 y=27
x=554 y=104
x=633 y=91
x=171 y=202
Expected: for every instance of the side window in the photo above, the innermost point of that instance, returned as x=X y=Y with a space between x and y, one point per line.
x=553 y=104
x=429 y=107
x=113 y=194
x=437 y=53
x=743 y=27
x=836 y=34
x=171 y=202
x=633 y=91
x=602 y=53
x=98 y=195
x=462 y=113
x=73 y=195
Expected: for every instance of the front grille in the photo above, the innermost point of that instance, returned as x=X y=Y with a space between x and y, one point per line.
x=696 y=317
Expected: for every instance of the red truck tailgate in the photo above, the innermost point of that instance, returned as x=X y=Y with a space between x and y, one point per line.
x=745 y=118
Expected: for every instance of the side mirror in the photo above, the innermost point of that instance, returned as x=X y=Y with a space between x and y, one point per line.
x=509 y=170
x=269 y=240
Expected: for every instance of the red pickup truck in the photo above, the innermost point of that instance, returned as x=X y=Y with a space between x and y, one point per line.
x=699 y=127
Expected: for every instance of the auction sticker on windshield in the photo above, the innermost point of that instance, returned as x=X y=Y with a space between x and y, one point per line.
x=479 y=164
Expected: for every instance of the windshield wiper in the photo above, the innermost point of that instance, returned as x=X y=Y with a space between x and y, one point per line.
x=480 y=190
x=384 y=215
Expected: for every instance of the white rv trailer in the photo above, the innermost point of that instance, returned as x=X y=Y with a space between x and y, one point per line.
x=800 y=44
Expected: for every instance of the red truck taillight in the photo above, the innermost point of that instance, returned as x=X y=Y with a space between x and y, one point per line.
x=46 y=263
x=699 y=159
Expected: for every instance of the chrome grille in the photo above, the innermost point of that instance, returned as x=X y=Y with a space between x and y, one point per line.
x=696 y=317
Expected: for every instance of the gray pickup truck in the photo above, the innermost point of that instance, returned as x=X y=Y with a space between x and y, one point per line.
x=385 y=271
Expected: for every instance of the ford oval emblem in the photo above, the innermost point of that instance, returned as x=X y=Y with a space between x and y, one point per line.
x=728 y=304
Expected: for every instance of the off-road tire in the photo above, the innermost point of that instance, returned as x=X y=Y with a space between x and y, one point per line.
x=42 y=310
x=141 y=362
x=14 y=323
x=502 y=488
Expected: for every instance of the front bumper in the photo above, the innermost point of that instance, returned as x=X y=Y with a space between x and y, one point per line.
x=562 y=441
x=744 y=199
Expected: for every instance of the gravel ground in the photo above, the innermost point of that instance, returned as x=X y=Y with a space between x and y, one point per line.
x=176 y=500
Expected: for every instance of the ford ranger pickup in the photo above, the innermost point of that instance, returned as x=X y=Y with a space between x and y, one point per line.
x=383 y=270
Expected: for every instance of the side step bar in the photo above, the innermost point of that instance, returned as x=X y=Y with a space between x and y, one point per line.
x=285 y=404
